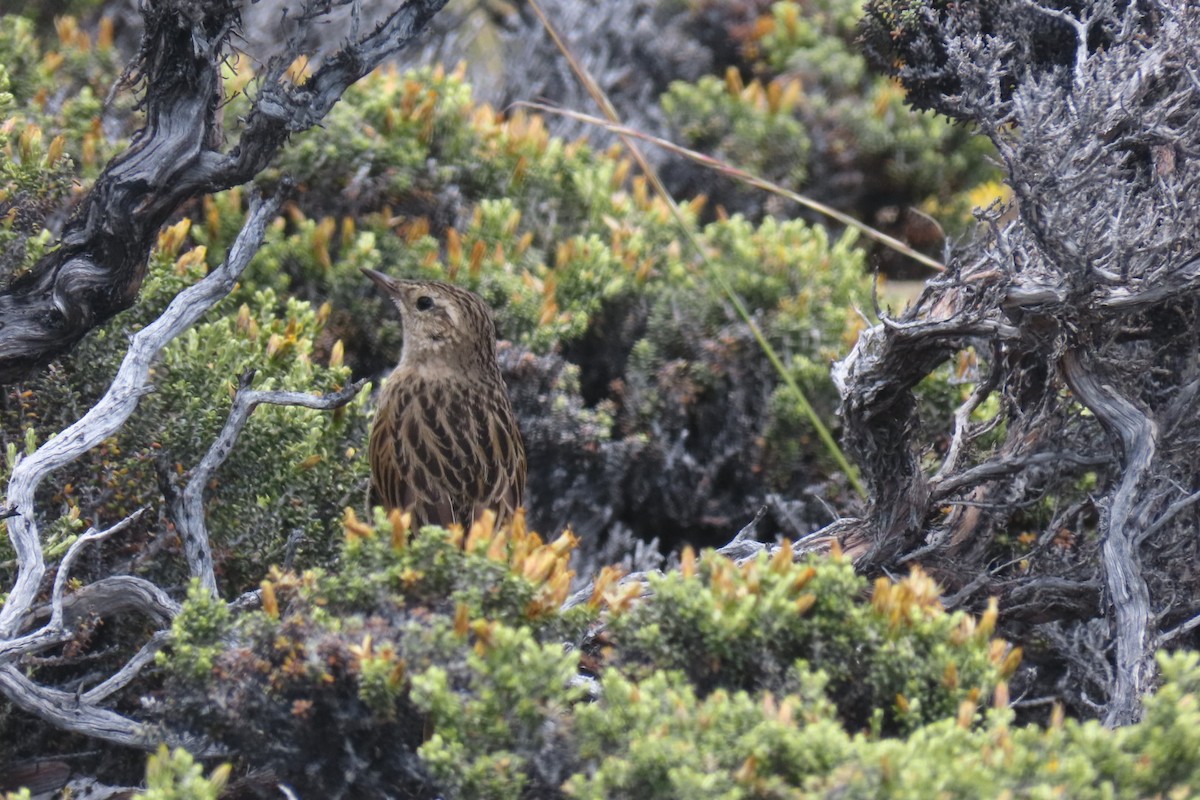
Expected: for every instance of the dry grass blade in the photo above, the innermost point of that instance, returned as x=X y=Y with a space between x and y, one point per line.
x=745 y=177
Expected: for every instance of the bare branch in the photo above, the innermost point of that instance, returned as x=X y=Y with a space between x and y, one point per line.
x=1086 y=302
x=745 y=543
x=64 y=568
x=101 y=421
x=1166 y=637
x=1169 y=514
x=962 y=422
x=187 y=510
x=1080 y=27
x=110 y=413
x=1126 y=584
x=65 y=710
x=120 y=679
x=118 y=595
x=54 y=632
x=941 y=488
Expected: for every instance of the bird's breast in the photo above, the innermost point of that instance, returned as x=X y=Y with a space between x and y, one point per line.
x=444 y=444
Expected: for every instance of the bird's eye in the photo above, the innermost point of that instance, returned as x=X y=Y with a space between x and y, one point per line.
x=424 y=303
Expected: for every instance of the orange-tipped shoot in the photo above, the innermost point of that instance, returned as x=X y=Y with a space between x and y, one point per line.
x=354 y=529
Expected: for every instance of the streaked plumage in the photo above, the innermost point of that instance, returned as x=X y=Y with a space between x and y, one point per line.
x=445 y=443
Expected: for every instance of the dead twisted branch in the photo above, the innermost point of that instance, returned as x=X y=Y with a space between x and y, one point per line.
x=187 y=510
x=1080 y=306
x=97 y=270
x=101 y=421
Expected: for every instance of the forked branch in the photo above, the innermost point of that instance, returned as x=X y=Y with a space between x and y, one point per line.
x=64 y=709
x=187 y=510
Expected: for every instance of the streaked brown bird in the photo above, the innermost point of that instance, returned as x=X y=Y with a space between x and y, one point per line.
x=445 y=443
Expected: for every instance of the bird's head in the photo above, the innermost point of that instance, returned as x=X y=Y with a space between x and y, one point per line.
x=444 y=325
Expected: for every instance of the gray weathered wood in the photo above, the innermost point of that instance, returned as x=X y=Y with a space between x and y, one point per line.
x=187 y=510
x=99 y=266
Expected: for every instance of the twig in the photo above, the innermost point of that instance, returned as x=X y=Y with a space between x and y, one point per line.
x=1166 y=637
x=64 y=568
x=40 y=639
x=1167 y=516
x=962 y=417
x=744 y=545
x=187 y=510
x=1081 y=28
x=1005 y=465
x=120 y=679
x=1180 y=280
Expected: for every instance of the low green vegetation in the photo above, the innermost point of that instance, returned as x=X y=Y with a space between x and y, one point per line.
x=439 y=659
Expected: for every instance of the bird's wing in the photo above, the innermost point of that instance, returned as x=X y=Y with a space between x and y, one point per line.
x=481 y=448
x=505 y=483
x=410 y=467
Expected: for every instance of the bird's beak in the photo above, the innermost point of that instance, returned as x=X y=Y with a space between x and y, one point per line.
x=382 y=281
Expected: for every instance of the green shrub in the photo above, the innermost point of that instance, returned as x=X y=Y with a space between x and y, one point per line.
x=986 y=756
x=415 y=629
x=752 y=126
x=174 y=775
x=461 y=637
x=814 y=108
x=658 y=737
x=893 y=663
